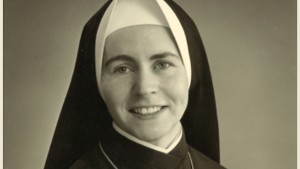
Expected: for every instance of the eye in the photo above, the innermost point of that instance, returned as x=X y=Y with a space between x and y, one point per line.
x=122 y=70
x=162 y=65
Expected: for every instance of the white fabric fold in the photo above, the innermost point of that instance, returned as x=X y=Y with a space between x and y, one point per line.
x=148 y=145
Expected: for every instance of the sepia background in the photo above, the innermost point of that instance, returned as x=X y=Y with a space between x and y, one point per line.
x=251 y=45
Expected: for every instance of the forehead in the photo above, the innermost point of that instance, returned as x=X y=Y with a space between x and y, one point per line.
x=145 y=38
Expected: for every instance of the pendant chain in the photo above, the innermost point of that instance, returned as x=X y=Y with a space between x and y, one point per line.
x=106 y=156
x=115 y=167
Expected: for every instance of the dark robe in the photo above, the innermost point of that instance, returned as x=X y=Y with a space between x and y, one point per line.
x=126 y=154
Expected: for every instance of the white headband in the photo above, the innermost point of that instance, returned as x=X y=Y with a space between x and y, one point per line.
x=124 y=13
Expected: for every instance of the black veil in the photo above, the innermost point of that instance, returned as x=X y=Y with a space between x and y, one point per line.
x=84 y=117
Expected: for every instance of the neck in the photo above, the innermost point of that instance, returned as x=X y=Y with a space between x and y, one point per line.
x=164 y=144
x=167 y=140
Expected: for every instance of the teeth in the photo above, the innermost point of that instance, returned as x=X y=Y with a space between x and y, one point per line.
x=147 y=110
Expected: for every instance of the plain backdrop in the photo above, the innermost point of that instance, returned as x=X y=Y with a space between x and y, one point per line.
x=251 y=47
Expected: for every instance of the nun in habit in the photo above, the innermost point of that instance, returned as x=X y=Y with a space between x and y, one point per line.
x=141 y=96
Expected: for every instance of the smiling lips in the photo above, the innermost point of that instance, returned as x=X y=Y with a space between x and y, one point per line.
x=147 y=110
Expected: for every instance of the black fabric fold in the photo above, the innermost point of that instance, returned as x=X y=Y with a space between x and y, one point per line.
x=117 y=151
x=128 y=154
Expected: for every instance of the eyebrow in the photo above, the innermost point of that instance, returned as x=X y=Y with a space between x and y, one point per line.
x=163 y=55
x=118 y=58
x=130 y=59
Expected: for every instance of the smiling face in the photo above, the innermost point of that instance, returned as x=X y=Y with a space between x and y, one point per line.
x=144 y=82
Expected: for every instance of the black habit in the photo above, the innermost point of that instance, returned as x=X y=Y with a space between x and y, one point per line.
x=116 y=150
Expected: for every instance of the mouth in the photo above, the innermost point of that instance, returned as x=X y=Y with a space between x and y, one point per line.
x=147 y=110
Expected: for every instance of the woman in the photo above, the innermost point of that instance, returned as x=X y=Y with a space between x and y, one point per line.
x=141 y=94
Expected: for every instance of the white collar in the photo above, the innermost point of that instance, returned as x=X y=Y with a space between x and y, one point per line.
x=146 y=144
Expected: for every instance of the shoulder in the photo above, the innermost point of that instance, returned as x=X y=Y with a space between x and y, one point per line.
x=202 y=161
x=92 y=159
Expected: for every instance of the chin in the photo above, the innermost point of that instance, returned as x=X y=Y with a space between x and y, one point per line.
x=151 y=134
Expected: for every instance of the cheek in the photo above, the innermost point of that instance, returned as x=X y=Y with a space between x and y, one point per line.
x=113 y=99
x=109 y=93
x=177 y=89
x=114 y=92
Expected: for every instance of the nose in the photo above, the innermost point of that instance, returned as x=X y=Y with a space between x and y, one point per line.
x=145 y=83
